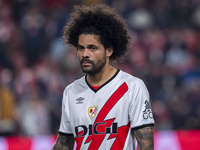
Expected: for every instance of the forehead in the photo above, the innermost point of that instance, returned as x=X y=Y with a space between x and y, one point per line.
x=87 y=39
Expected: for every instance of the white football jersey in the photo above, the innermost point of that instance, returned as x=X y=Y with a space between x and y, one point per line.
x=102 y=119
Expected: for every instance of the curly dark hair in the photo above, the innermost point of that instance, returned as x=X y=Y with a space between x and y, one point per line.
x=100 y=20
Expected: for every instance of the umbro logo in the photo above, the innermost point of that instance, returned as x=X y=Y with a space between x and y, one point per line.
x=79 y=100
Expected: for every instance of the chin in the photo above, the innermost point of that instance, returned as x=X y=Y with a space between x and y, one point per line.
x=86 y=70
x=89 y=71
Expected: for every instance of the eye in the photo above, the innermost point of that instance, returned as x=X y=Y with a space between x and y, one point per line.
x=80 y=47
x=93 y=47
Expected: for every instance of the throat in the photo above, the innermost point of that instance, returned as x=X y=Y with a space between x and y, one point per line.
x=99 y=79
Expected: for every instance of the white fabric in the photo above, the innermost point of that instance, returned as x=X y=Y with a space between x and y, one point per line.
x=132 y=106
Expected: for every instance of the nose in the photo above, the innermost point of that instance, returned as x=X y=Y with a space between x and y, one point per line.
x=86 y=53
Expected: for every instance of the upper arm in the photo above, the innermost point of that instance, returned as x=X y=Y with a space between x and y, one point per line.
x=144 y=137
x=65 y=125
x=140 y=112
x=64 y=142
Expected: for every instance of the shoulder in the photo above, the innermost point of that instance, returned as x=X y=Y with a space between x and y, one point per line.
x=135 y=84
x=74 y=86
x=131 y=80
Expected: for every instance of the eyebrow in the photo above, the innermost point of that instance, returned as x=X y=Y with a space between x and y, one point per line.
x=80 y=46
x=92 y=45
x=88 y=46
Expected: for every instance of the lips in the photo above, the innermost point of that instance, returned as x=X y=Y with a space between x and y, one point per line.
x=86 y=62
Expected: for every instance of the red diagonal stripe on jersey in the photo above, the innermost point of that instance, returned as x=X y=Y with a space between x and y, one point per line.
x=79 y=140
x=120 y=137
x=96 y=139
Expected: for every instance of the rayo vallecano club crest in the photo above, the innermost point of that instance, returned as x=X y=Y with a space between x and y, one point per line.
x=92 y=111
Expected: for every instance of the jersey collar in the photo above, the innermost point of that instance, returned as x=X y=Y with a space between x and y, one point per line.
x=102 y=84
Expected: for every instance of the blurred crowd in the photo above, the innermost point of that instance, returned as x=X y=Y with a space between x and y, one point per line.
x=36 y=65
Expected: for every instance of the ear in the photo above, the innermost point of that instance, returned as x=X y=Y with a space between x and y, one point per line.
x=109 y=52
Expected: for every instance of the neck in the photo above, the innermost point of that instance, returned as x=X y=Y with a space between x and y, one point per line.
x=100 y=78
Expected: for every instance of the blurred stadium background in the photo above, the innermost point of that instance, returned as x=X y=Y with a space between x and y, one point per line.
x=36 y=65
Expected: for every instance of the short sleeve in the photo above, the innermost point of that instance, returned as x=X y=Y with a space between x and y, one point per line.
x=65 y=126
x=140 y=112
